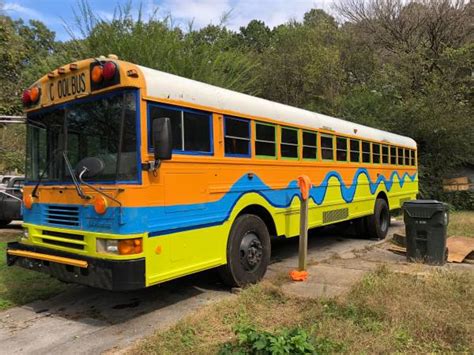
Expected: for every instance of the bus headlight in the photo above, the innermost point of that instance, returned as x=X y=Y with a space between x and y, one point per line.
x=26 y=235
x=120 y=246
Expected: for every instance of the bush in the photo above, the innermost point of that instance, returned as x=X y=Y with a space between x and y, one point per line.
x=253 y=341
x=287 y=341
x=459 y=200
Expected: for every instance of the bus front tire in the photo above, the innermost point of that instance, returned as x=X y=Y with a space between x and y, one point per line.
x=378 y=223
x=248 y=252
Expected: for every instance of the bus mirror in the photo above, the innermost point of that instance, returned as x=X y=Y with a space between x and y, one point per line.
x=162 y=138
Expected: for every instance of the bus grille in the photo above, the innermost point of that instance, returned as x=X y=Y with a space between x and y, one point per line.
x=62 y=215
x=67 y=240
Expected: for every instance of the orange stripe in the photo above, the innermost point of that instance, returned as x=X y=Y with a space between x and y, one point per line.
x=57 y=259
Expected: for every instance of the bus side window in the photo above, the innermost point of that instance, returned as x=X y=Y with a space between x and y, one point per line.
x=310 y=144
x=265 y=140
x=375 y=153
x=407 y=156
x=355 y=150
x=237 y=137
x=393 y=155
x=327 y=147
x=384 y=154
x=341 y=149
x=175 y=116
x=400 y=156
x=289 y=143
x=413 y=154
x=365 y=152
x=191 y=129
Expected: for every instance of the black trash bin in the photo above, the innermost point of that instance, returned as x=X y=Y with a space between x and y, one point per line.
x=426 y=223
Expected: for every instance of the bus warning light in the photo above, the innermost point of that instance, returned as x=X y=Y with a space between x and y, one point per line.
x=26 y=97
x=100 y=205
x=28 y=201
x=109 y=70
x=35 y=93
x=97 y=74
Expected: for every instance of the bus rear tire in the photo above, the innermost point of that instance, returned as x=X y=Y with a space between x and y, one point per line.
x=248 y=252
x=379 y=222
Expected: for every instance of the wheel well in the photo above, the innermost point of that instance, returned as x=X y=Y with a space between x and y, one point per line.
x=383 y=196
x=263 y=213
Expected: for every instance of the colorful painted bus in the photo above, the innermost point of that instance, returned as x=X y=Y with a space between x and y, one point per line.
x=136 y=176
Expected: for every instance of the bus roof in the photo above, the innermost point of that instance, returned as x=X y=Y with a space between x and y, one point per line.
x=164 y=85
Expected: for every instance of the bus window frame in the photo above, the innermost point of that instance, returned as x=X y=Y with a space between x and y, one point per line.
x=395 y=158
x=369 y=152
x=292 y=144
x=327 y=135
x=182 y=109
x=400 y=159
x=385 y=155
x=358 y=151
x=407 y=155
x=234 y=155
x=275 y=142
x=346 y=150
x=303 y=131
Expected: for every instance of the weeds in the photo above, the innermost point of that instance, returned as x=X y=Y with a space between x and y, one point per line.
x=384 y=312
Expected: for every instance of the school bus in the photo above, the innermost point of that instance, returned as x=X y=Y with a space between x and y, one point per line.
x=136 y=176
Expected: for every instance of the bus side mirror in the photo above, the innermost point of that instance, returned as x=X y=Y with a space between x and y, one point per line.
x=162 y=138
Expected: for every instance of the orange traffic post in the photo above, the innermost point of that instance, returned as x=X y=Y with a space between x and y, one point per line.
x=301 y=274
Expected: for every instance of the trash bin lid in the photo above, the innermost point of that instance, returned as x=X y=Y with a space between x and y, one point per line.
x=424 y=208
x=423 y=202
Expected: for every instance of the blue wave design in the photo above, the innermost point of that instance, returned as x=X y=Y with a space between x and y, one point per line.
x=317 y=192
x=167 y=219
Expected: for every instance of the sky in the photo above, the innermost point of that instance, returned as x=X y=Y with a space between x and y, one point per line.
x=55 y=13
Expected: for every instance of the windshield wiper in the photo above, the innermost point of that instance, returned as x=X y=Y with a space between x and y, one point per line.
x=53 y=157
x=73 y=177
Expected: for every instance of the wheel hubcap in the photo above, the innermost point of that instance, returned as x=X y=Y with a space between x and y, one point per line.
x=251 y=252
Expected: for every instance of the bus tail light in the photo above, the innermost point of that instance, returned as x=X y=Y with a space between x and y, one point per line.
x=26 y=97
x=109 y=70
x=120 y=246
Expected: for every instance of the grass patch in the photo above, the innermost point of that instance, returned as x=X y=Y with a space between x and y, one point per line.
x=461 y=224
x=385 y=312
x=19 y=286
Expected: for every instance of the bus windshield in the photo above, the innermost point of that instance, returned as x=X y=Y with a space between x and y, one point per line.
x=104 y=127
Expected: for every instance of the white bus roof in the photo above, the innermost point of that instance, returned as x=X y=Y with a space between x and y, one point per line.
x=164 y=85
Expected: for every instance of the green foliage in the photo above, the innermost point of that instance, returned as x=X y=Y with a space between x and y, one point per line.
x=253 y=341
x=208 y=55
x=459 y=200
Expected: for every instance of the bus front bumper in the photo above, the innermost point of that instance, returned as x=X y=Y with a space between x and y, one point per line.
x=114 y=275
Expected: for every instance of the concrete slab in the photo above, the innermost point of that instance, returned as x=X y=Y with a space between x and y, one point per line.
x=324 y=281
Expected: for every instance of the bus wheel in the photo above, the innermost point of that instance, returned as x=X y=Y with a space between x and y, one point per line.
x=248 y=252
x=378 y=223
